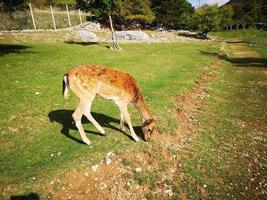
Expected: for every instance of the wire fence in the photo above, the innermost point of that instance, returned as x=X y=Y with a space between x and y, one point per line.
x=46 y=18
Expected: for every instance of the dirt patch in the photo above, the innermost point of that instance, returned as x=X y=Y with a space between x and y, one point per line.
x=191 y=102
x=241 y=51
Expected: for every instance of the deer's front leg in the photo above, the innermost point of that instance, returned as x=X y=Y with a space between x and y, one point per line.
x=126 y=116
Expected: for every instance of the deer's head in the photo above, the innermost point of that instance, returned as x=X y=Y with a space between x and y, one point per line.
x=148 y=128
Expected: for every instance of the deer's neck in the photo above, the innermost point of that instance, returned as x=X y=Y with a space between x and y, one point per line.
x=142 y=108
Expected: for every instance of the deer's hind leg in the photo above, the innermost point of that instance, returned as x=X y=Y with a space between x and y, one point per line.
x=87 y=113
x=122 y=122
x=77 y=116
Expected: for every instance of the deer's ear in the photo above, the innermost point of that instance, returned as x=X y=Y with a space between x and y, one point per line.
x=157 y=118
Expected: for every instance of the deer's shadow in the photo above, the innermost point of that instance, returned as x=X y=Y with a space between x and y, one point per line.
x=64 y=117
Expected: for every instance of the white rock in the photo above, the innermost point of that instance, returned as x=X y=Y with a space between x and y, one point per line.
x=87 y=36
x=169 y=192
x=94 y=168
x=138 y=169
x=108 y=161
x=132 y=35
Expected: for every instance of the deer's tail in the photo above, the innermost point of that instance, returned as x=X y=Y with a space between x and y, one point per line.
x=65 y=86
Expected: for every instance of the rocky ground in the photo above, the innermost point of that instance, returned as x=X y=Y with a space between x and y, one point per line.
x=94 y=32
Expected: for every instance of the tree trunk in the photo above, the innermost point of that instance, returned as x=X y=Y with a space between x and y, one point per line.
x=114 y=37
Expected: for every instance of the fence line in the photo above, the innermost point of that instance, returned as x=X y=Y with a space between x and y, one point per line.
x=45 y=19
x=33 y=21
x=53 y=18
x=67 y=9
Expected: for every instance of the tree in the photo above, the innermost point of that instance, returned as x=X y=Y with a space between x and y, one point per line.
x=206 y=19
x=226 y=16
x=10 y=6
x=172 y=13
x=138 y=11
x=102 y=9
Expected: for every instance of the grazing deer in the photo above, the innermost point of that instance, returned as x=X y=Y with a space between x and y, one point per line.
x=87 y=81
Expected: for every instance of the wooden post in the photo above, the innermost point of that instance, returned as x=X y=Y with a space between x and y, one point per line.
x=67 y=9
x=33 y=21
x=114 y=37
x=80 y=15
x=53 y=18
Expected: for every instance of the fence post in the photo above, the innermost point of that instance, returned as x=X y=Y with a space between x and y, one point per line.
x=33 y=21
x=67 y=9
x=81 y=21
x=52 y=13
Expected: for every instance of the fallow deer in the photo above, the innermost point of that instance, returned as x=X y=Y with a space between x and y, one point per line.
x=87 y=81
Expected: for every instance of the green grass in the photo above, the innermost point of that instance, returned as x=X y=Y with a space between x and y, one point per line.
x=33 y=112
x=228 y=158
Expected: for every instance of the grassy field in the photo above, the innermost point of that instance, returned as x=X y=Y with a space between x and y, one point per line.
x=228 y=158
x=36 y=122
x=222 y=161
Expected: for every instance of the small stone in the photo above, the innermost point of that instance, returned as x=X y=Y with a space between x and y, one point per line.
x=169 y=192
x=108 y=161
x=33 y=178
x=37 y=93
x=86 y=174
x=138 y=169
x=94 y=168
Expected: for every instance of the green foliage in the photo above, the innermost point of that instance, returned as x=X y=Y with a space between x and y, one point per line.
x=10 y=6
x=246 y=13
x=206 y=19
x=172 y=13
x=42 y=3
x=137 y=11
x=100 y=8
x=226 y=15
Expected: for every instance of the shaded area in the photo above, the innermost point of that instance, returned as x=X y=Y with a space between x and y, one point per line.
x=12 y=48
x=238 y=42
x=31 y=196
x=81 y=43
x=242 y=62
x=64 y=117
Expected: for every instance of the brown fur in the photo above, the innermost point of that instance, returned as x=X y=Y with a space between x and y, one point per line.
x=86 y=81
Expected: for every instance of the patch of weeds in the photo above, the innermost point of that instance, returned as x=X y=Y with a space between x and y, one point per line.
x=150 y=178
x=168 y=182
x=176 y=190
x=126 y=162
x=163 y=166
x=127 y=175
x=150 y=196
x=145 y=147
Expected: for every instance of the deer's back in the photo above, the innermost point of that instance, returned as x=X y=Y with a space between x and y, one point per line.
x=108 y=83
